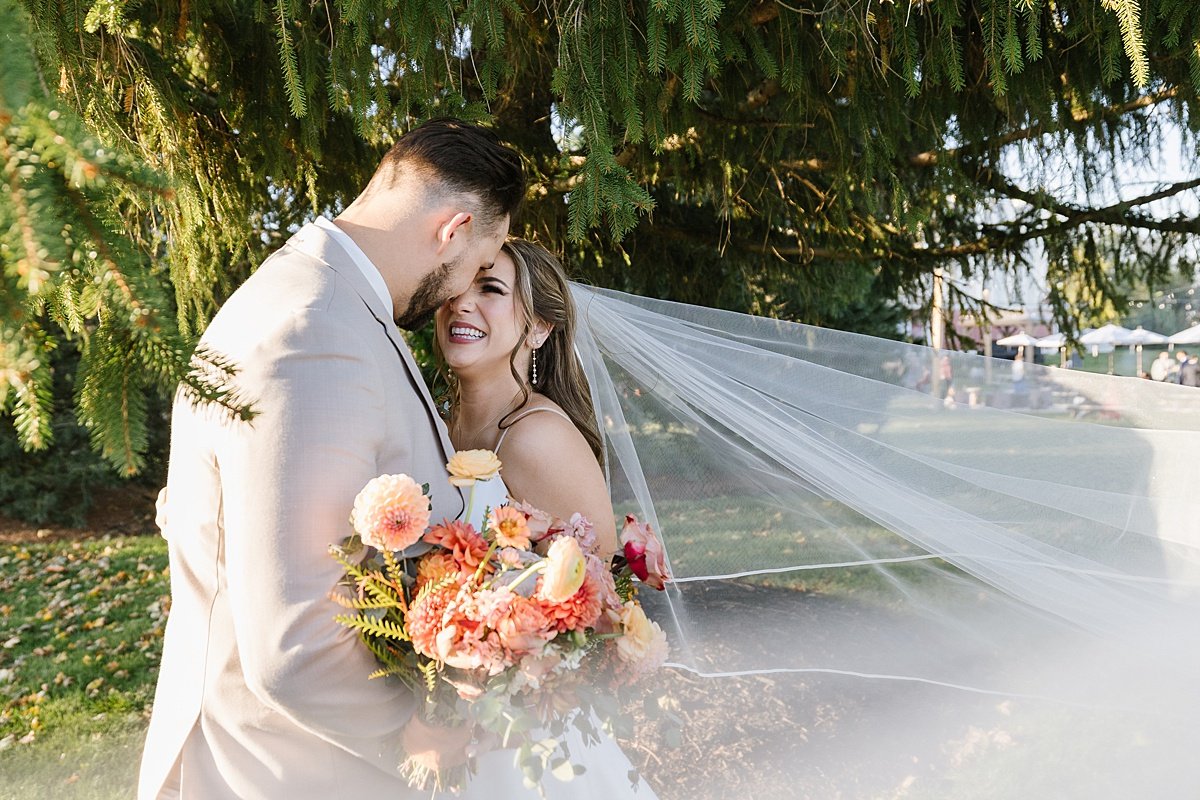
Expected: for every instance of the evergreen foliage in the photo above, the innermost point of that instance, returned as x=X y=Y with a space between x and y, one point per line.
x=806 y=159
x=780 y=158
x=72 y=274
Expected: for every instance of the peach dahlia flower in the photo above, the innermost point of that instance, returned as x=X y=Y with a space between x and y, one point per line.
x=391 y=512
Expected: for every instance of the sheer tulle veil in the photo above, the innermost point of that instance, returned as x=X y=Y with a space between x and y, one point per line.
x=882 y=591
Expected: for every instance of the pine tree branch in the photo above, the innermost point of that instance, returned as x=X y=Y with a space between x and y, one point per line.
x=1116 y=214
x=104 y=255
x=931 y=158
x=28 y=266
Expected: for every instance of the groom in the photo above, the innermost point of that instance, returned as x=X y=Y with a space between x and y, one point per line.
x=260 y=693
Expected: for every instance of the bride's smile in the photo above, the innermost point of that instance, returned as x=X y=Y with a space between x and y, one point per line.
x=479 y=330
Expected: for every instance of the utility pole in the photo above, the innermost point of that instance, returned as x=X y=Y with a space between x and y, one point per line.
x=937 y=331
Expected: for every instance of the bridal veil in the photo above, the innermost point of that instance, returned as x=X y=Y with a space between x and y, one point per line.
x=884 y=589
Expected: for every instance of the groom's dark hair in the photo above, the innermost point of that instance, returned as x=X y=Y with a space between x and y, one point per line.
x=463 y=158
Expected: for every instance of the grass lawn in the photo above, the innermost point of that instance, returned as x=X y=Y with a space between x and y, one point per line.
x=81 y=627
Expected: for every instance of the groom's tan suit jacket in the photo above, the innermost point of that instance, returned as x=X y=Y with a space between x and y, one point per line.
x=260 y=693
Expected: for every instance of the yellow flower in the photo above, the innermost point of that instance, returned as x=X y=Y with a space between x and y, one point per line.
x=642 y=644
x=509 y=527
x=564 y=572
x=468 y=466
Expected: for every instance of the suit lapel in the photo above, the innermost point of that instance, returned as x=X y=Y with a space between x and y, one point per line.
x=317 y=243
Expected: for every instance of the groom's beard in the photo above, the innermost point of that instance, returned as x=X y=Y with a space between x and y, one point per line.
x=430 y=294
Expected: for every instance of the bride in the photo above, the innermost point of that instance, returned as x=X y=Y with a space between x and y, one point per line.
x=508 y=345
x=519 y=391
x=877 y=594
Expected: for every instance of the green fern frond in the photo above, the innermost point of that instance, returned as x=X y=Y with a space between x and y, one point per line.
x=429 y=669
x=384 y=628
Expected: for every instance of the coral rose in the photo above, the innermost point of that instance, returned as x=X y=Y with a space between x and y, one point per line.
x=564 y=572
x=509 y=527
x=468 y=466
x=391 y=512
x=520 y=623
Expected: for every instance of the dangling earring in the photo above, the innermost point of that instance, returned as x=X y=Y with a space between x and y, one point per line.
x=533 y=367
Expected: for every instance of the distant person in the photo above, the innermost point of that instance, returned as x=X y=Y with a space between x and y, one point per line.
x=946 y=375
x=1176 y=375
x=1018 y=372
x=1160 y=368
x=1189 y=372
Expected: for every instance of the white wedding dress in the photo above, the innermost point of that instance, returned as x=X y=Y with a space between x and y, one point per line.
x=607 y=769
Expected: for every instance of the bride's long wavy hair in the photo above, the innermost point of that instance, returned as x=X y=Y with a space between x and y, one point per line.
x=543 y=295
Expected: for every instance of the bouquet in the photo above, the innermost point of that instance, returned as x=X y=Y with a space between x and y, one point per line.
x=493 y=628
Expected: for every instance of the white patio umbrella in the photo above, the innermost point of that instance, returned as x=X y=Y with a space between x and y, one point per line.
x=1140 y=336
x=1055 y=341
x=1189 y=336
x=1021 y=339
x=1109 y=334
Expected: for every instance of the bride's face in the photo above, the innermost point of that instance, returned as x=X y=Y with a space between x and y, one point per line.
x=479 y=329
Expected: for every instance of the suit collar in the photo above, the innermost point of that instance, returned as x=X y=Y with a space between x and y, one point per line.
x=315 y=242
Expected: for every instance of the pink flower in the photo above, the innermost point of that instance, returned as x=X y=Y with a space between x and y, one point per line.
x=606 y=587
x=466 y=546
x=424 y=619
x=538 y=521
x=581 y=530
x=509 y=527
x=520 y=623
x=465 y=645
x=510 y=557
x=391 y=512
x=644 y=553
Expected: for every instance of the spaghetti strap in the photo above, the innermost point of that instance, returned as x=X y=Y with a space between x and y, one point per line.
x=522 y=416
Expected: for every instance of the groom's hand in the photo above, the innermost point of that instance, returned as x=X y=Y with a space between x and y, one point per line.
x=435 y=747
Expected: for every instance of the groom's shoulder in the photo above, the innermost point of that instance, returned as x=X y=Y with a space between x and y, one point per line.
x=291 y=290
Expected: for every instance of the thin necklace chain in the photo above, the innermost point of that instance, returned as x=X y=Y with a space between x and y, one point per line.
x=507 y=409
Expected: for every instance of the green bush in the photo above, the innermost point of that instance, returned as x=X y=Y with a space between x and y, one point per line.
x=57 y=485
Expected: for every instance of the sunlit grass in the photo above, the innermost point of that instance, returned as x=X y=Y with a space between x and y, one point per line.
x=81 y=629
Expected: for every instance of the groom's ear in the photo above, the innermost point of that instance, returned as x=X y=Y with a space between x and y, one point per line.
x=450 y=227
